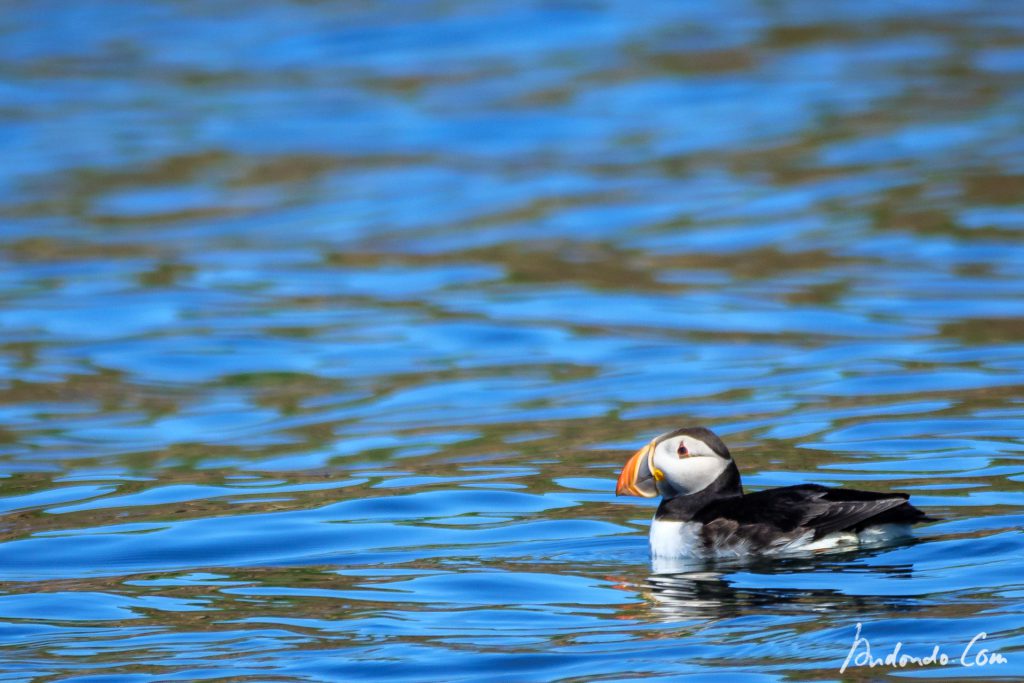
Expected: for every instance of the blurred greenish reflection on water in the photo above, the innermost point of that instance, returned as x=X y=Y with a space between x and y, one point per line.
x=325 y=328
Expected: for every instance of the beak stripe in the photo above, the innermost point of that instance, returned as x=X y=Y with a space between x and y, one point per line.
x=639 y=476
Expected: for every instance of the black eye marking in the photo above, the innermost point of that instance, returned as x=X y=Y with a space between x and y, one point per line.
x=681 y=451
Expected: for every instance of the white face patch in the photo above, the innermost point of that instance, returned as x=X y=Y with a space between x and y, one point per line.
x=689 y=473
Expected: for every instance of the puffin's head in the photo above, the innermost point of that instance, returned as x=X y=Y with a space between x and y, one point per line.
x=677 y=463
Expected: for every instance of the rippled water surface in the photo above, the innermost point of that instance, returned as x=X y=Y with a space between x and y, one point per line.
x=325 y=329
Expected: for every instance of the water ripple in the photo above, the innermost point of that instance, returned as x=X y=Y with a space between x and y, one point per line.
x=326 y=330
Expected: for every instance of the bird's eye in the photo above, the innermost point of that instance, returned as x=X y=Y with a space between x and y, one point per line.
x=681 y=451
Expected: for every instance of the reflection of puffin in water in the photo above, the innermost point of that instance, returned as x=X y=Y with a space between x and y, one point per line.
x=705 y=514
x=672 y=593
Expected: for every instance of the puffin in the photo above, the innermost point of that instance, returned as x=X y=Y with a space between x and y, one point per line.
x=705 y=514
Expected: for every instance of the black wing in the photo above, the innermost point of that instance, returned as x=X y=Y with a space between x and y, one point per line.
x=818 y=508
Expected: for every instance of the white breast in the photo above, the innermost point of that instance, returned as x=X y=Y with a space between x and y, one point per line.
x=676 y=539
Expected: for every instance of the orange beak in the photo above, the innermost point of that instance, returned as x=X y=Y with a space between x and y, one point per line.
x=639 y=477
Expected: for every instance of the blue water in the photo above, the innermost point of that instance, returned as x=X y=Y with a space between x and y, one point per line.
x=325 y=329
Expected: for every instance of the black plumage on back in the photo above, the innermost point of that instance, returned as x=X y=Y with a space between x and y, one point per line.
x=768 y=517
x=821 y=509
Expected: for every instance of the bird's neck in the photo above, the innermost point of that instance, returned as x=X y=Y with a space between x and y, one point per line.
x=682 y=508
